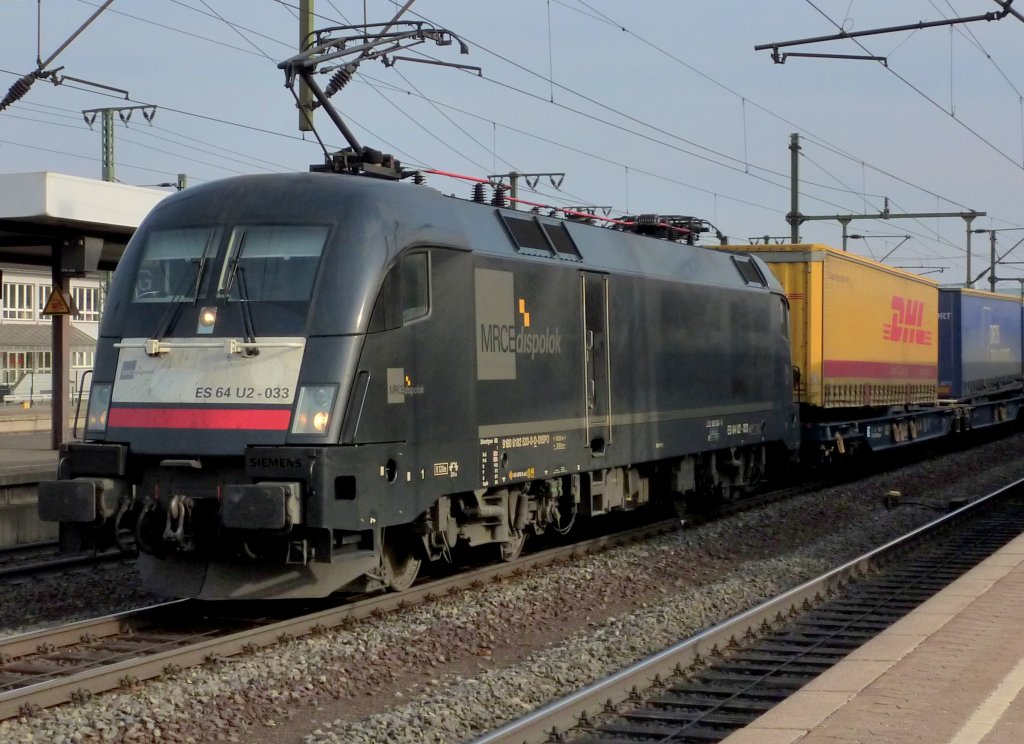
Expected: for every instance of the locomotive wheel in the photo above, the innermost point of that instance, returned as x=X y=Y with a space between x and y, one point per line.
x=124 y=533
x=511 y=549
x=401 y=566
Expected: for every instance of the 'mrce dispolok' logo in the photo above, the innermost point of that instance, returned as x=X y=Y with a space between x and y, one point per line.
x=503 y=328
x=400 y=385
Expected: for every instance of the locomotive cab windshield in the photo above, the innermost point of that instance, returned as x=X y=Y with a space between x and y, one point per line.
x=193 y=305
x=265 y=263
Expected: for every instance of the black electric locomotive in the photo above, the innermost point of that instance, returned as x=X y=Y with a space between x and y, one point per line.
x=308 y=382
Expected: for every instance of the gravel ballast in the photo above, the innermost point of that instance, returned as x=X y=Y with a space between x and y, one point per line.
x=451 y=669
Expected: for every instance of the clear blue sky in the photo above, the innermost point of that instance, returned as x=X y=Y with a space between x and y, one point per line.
x=647 y=106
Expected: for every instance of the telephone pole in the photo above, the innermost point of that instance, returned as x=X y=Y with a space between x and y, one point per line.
x=305 y=39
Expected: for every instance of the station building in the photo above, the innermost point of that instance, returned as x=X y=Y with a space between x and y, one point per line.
x=26 y=358
x=66 y=232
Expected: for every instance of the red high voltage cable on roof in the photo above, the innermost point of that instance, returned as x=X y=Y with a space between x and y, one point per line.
x=563 y=210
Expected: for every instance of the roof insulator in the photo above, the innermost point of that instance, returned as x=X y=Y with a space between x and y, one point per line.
x=339 y=80
x=18 y=90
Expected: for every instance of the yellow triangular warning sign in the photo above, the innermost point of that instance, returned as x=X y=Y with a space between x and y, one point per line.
x=59 y=303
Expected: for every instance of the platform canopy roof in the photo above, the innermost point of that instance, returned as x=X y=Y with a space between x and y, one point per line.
x=43 y=211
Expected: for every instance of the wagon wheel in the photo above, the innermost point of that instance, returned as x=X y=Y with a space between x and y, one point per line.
x=399 y=561
x=511 y=548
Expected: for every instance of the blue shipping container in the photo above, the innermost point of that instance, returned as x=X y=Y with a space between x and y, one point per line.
x=980 y=338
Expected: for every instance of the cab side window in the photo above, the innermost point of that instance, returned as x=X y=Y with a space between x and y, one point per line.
x=784 y=317
x=415 y=282
x=404 y=295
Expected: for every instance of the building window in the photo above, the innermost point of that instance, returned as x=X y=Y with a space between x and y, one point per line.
x=19 y=301
x=87 y=301
x=82 y=359
x=15 y=364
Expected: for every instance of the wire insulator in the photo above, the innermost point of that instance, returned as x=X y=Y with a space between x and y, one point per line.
x=499 y=200
x=18 y=90
x=418 y=178
x=479 y=196
x=339 y=80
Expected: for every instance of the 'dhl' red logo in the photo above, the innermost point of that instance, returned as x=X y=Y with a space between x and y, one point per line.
x=907 y=322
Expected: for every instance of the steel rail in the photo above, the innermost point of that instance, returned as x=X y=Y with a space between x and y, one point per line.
x=61 y=562
x=23 y=644
x=130 y=671
x=548 y=721
x=24 y=547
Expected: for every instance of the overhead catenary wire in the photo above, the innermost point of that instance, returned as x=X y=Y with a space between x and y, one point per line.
x=793 y=125
x=883 y=171
x=173 y=29
x=602 y=158
x=780 y=185
x=189 y=7
x=968 y=34
x=796 y=127
x=242 y=158
x=924 y=95
x=595 y=15
x=79 y=156
x=741 y=161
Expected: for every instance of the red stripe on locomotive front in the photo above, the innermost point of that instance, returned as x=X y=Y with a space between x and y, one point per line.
x=264 y=419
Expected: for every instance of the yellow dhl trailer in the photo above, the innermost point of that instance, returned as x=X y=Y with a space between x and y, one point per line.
x=863 y=334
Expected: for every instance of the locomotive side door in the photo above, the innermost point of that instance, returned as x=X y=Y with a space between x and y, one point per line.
x=596 y=362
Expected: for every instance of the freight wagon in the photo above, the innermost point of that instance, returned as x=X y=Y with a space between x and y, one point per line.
x=980 y=354
x=865 y=349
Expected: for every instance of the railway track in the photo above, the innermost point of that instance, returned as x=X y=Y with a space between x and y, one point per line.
x=708 y=686
x=69 y=663
x=13 y=555
x=36 y=558
x=50 y=667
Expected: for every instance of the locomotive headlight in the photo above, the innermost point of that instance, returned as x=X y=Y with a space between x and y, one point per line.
x=207 y=319
x=99 y=406
x=320 y=419
x=313 y=409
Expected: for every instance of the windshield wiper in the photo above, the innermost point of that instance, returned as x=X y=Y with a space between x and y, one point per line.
x=249 y=348
x=173 y=312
